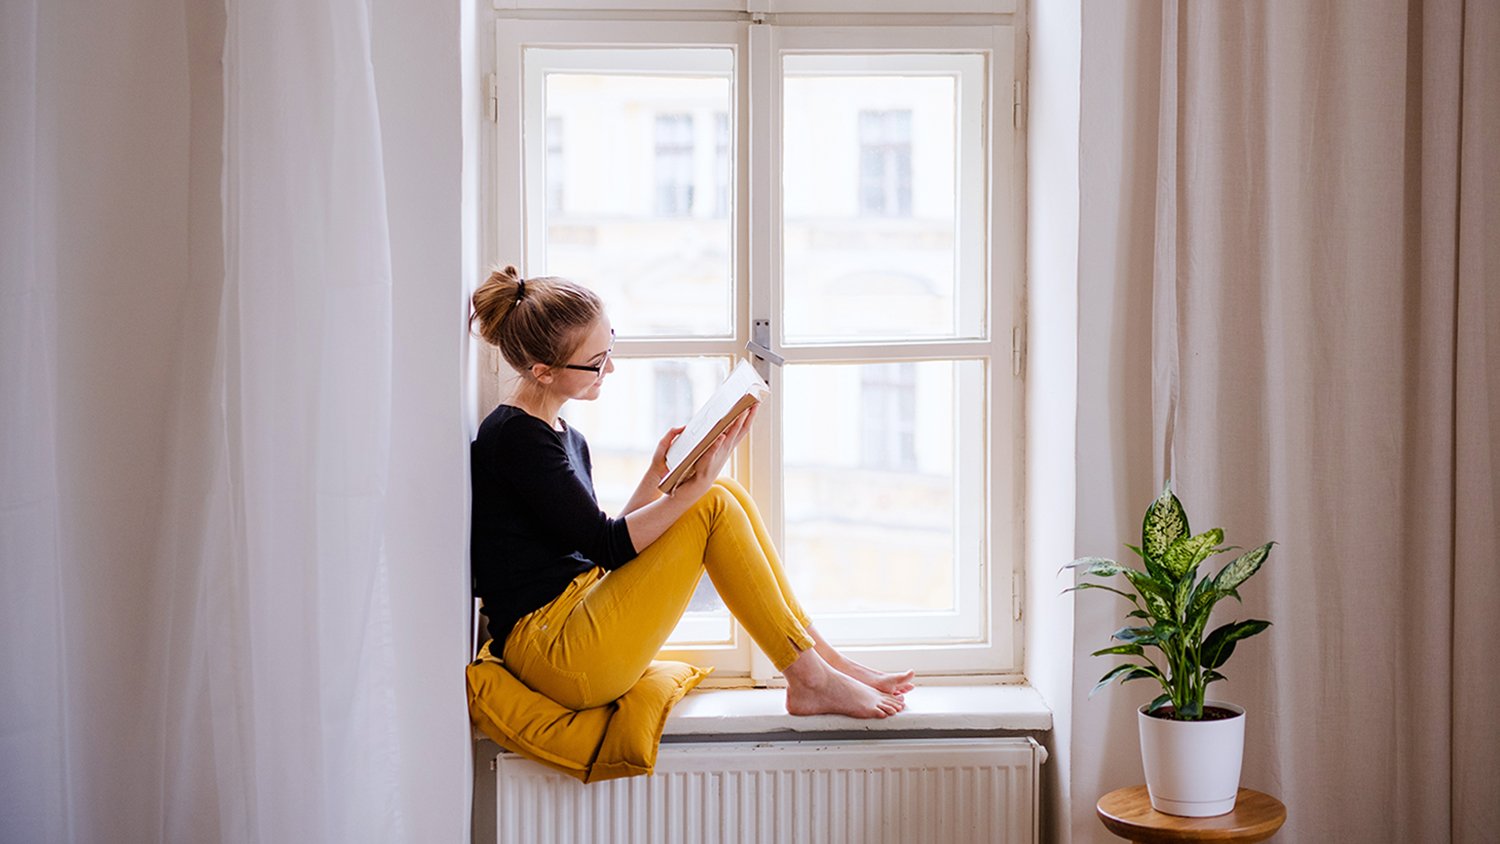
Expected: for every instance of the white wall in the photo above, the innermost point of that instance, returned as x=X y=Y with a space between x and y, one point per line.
x=427 y=104
x=1051 y=384
x=1114 y=479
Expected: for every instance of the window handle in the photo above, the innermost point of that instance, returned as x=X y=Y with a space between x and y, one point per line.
x=760 y=346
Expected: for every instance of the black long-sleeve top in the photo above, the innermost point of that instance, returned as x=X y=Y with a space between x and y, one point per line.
x=536 y=521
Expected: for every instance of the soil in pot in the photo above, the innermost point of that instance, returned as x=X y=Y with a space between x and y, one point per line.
x=1210 y=713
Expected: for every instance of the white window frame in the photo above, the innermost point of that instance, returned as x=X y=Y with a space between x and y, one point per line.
x=755 y=131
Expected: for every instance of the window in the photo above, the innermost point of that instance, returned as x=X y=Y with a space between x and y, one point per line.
x=870 y=224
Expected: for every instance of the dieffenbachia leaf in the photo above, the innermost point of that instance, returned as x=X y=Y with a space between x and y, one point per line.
x=1101 y=566
x=1158 y=595
x=1164 y=524
x=1184 y=554
x=1142 y=672
x=1156 y=705
x=1112 y=674
x=1213 y=676
x=1131 y=649
x=1144 y=635
x=1219 y=644
x=1132 y=598
x=1240 y=570
x=1183 y=599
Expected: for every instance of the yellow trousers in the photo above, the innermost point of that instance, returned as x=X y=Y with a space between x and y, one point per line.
x=594 y=641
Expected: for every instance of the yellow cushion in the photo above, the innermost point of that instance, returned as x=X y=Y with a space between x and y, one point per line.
x=618 y=739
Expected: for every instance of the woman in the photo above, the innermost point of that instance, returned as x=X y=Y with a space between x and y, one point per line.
x=579 y=602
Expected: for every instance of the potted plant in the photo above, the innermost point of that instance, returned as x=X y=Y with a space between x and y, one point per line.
x=1191 y=748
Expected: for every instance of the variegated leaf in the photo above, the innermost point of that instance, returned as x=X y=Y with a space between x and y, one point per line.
x=1157 y=605
x=1185 y=554
x=1101 y=566
x=1165 y=522
x=1183 y=599
x=1165 y=630
x=1243 y=566
x=1132 y=598
x=1143 y=635
x=1213 y=677
x=1158 y=595
x=1156 y=705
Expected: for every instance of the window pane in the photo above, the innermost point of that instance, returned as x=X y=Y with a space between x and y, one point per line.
x=883 y=200
x=641 y=400
x=884 y=524
x=642 y=211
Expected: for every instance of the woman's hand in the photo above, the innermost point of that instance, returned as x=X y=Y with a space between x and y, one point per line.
x=653 y=514
x=658 y=468
x=708 y=467
x=646 y=491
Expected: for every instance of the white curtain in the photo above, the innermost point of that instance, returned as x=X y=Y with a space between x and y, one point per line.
x=1323 y=258
x=201 y=640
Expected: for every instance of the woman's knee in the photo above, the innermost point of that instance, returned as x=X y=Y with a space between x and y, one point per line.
x=714 y=502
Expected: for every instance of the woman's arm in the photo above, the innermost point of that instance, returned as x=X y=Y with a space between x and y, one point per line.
x=648 y=523
x=647 y=491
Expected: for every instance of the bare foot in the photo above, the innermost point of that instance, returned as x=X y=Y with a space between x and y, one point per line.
x=880 y=681
x=891 y=684
x=840 y=694
x=815 y=688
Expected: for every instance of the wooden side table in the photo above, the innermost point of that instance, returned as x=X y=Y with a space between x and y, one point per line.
x=1127 y=813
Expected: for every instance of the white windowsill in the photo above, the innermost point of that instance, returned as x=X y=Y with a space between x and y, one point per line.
x=739 y=712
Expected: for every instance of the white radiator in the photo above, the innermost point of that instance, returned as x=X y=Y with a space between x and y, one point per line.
x=901 y=791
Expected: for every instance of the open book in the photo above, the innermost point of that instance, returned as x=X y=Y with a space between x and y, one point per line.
x=742 y=388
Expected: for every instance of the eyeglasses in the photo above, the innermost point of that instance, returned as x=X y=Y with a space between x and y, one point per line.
x=603 y=361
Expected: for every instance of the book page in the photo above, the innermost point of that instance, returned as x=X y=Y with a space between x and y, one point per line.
x=744 y=383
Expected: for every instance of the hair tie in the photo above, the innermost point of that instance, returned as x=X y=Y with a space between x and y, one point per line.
x=520 y=290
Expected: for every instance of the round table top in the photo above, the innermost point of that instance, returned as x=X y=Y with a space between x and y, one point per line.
x=1127 y=813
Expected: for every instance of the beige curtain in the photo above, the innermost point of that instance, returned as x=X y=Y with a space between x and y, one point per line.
x=1326 y=373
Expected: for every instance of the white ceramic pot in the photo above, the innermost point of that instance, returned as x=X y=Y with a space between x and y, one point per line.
x=1193 y=767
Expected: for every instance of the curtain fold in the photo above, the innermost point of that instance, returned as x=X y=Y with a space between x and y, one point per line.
x=295 y=580
x=1326 y=344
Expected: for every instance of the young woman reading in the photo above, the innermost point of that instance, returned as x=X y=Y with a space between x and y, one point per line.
x=579 y=602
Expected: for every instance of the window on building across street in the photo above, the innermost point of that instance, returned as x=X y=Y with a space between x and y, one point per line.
x=870 y=223
x=888 y=416
x=674 y=165
x=554 y=165
x=885 y=162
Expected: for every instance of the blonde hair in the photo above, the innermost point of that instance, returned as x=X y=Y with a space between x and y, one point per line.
x=535 y=320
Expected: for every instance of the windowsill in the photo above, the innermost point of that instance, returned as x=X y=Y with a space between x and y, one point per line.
x=707 y=713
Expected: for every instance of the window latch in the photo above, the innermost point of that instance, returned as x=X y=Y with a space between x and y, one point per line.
x=760 y=347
